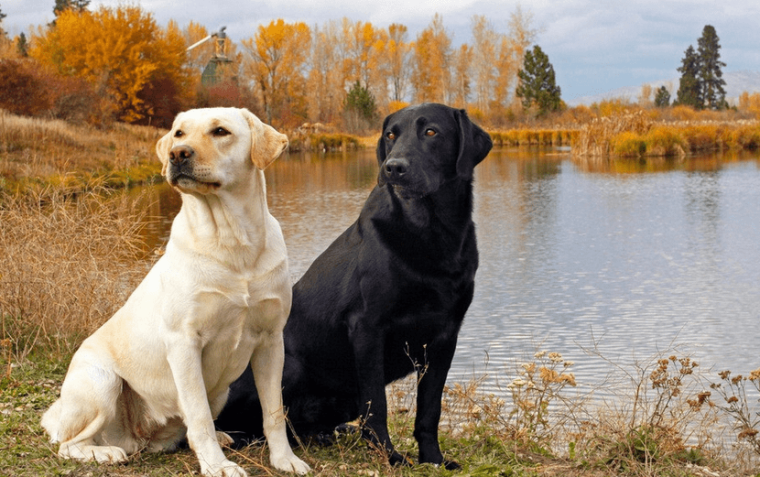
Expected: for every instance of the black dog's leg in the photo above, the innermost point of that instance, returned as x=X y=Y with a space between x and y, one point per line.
x=368 y=350
x=429 y=393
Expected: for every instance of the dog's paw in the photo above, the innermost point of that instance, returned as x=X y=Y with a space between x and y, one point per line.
x=290 y=463
x=100 y=454
x=224 y=469
x=451 y=465
x=396 y=459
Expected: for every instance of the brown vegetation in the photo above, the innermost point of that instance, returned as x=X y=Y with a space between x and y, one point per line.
x=36 y=153
x=66 y=266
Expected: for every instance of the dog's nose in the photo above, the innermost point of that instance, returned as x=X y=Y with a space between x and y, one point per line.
x=395 y=168
x=180 y=154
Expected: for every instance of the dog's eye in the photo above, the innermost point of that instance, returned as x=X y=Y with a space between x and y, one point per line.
x=179 y=133
x=430 y=132
x=220 y=131
x=390 y=135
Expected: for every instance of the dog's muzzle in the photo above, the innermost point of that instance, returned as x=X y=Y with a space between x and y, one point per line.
x=395 y=170
x=181 y=163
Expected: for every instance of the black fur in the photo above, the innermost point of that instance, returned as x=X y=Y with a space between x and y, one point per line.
x=388 y=297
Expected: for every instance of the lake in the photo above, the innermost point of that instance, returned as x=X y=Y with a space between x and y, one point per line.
x=609 y=265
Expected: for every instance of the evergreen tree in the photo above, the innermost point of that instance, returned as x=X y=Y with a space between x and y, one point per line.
x=710 y=75
x=359 y=107
x=537 y=82
x=2 y=15
x=688 y=86
x=22 y=46
x=76 y=5
x=662 y=97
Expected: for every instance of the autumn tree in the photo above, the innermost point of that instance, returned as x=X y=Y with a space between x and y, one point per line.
x=120 y=51
x=484 y=66
x=276 y=60
x=398 y=61
x=431 y=58
x=521 y=33
x=461 y=78
x=325 y=82
x=537 y=83
x=364 y=57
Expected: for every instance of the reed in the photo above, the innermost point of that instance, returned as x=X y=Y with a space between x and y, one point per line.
x=637 y=135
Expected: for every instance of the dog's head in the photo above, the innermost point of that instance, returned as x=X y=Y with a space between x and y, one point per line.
x=424 y=146
x=210 y=149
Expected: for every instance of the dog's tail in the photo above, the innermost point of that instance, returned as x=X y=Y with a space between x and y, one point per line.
x=51 y=421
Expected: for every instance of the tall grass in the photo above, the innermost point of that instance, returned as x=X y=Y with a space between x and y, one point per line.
x=65 y=267
x=35 y=153
x=637 y=135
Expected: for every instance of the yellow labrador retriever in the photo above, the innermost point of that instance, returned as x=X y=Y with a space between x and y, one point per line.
x=218 y=299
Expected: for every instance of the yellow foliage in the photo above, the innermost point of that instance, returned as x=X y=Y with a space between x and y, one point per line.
x=394 y=106
x=118 y=50
x=750 y=103
x=277 y=55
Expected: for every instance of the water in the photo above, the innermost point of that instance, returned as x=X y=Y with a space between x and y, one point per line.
x=627 y=261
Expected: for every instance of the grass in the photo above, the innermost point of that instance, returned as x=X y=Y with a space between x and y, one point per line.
x=637 y=135
x=38 y=153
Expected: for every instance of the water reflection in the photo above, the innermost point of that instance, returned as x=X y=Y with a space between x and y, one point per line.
x=629 y=258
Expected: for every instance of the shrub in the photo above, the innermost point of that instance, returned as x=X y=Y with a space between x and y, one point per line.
x=664 y=141
x=23 y=91
x=627 y=143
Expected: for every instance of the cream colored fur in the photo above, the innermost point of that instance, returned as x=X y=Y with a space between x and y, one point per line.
x=218 y=299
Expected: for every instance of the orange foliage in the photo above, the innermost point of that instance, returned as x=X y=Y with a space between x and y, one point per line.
x=750 y=103
x=277 y=55
x=120 y=51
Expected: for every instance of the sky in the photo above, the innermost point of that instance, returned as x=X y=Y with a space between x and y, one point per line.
x=595 y=46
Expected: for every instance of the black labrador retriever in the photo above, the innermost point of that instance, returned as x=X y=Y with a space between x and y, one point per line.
x=388 y=297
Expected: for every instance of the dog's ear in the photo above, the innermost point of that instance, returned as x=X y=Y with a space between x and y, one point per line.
x=380 y=151
x=474 y=145
x=163 y=147
x=266 y=142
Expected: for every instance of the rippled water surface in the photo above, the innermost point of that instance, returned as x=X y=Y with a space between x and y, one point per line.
x=629 y=260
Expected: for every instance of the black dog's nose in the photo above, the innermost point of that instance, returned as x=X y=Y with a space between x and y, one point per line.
x=180 y=154
x=395 y=168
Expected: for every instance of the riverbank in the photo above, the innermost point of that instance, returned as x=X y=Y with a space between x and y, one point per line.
x=37 y=154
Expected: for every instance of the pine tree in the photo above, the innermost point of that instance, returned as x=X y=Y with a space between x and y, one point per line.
x=2 y=15
x=662 y=97
x=710 y=75
x=22 y=46
x=688 y=86
x=537 y=82
x=76 y=5
x=359 y=108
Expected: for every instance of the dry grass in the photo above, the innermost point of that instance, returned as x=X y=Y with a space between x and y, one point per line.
x=638 y=135
x=65 y=267
x=35 y=153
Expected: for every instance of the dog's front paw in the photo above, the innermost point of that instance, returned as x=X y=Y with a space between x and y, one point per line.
x=224 y=469
x=290 y=463
x=396 y=459
x=100 y=454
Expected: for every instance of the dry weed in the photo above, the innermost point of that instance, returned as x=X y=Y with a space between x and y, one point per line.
x=65 y=266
